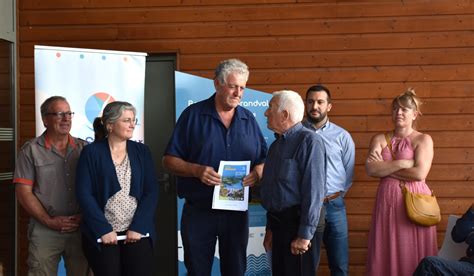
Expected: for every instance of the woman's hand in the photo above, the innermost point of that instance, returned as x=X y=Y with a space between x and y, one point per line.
x=132 y=236
x=406 y=164
x=374 y=156
x=109 y=238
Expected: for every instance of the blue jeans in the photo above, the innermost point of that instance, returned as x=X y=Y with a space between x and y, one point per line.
x=336 y=236
x=437 y=266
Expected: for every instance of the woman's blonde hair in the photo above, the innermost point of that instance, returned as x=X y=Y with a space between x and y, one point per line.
x=408 y=99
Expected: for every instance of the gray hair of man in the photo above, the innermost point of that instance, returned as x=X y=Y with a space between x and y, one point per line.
x=44 y=108
x=229 y=66
x=114 y=110
x=292 y=102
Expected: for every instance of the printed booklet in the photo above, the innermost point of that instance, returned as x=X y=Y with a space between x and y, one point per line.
x=231 y=193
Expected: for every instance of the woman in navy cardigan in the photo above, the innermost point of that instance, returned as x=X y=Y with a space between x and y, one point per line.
x=116 y=187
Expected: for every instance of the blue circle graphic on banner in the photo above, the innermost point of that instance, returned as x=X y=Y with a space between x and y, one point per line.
x=96 y=103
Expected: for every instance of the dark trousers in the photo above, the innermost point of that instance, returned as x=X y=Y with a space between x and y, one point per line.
x=284 y=226
x=129 y=259
x=200 y=229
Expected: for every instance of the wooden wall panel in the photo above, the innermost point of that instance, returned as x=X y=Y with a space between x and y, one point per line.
x=365 y=51
x=340 y=59
x=84 y=12
x=261 y=28
x=268 y=44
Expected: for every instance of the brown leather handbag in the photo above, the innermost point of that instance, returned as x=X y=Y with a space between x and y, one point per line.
x=422 y=209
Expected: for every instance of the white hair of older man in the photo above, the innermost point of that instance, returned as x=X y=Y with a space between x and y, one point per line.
x=292 y=102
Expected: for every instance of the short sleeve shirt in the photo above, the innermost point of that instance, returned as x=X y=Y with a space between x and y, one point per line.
x=200 y=137
x=51 y=174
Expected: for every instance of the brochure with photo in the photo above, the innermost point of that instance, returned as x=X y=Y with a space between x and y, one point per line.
x=231 y=193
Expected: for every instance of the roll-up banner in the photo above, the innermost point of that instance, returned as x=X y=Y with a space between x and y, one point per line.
x=89 y=79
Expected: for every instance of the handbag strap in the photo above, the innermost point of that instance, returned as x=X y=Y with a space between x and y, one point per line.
x=389 y=145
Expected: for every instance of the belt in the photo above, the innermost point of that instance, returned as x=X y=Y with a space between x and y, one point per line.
x=331 y=197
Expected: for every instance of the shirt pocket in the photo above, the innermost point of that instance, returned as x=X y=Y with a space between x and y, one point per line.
x=46 y=177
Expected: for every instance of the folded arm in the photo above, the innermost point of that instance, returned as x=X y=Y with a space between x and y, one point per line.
x=423 y=145
x=375 y=165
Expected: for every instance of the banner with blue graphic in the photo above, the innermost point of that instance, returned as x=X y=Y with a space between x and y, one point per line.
x=89 y=79
x=191 y=89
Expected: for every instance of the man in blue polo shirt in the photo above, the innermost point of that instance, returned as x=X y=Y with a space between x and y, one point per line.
x=210 y=131
x=340 y=153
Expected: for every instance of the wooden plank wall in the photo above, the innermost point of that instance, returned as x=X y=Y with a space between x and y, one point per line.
x=365 y=51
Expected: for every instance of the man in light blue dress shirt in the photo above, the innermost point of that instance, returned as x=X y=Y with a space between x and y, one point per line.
x=340 y=153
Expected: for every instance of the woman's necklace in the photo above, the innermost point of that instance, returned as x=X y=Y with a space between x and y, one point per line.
x=118 y=155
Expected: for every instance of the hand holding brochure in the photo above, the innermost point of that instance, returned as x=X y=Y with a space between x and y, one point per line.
x=231 y=193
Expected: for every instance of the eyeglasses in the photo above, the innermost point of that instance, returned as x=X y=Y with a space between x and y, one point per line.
x=61 y=115
x=130 y=121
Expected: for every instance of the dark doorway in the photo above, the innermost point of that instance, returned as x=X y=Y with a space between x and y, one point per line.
x=159 y=124
x=7 y=152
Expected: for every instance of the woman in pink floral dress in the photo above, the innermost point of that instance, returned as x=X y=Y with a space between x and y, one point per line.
x=396 y=245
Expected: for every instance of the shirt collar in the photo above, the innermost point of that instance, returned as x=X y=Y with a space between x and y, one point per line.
x=46 y=142
x=290 y=131
x=309 y=125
